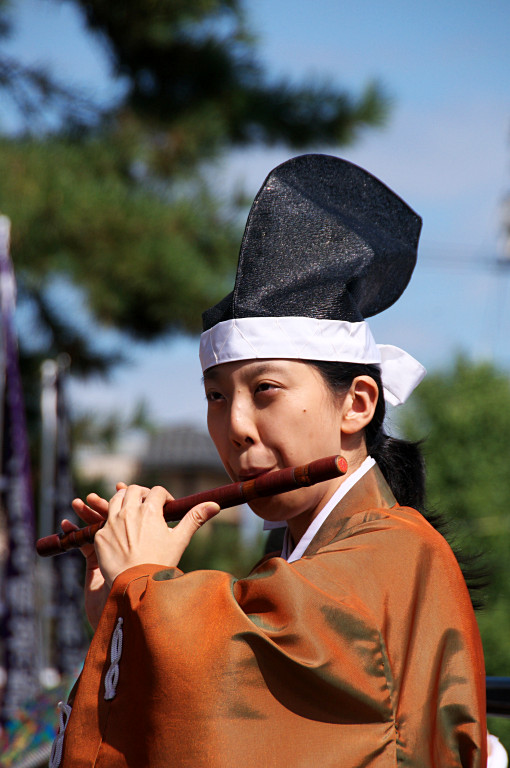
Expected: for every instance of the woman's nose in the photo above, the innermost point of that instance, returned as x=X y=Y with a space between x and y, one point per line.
x=242 y=426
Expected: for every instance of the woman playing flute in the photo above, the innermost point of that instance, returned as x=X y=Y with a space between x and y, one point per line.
x=356 y=645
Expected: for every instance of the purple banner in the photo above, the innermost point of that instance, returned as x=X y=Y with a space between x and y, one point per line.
x=19 y=619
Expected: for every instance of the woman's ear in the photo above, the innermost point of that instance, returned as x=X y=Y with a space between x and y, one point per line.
x=359 y=404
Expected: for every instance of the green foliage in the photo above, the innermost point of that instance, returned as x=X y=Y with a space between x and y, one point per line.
x=464 y=416
x=220 y=547
x=143 y=264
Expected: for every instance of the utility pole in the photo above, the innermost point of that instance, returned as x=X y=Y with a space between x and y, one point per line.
x=505 y=231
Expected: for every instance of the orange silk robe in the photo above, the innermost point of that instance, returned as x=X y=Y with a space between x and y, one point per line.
x=365 y=652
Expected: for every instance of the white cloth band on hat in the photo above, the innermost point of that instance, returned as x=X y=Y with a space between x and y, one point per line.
x=306 y=338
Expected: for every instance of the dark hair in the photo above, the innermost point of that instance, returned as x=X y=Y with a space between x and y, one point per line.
x=400 y=461
x=402 y=465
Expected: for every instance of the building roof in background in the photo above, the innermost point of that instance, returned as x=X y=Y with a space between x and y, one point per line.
x=183 y=447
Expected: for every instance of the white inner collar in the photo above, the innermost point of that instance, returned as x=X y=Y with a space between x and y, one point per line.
x=316 y=523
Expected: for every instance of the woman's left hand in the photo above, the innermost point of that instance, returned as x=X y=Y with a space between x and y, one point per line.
x=136 y=532
x=96 y=590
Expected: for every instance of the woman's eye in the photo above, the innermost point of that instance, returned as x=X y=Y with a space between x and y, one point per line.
x=213 y=397
x=265 y=386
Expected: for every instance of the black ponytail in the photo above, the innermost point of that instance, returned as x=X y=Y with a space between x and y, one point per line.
x=402 y=465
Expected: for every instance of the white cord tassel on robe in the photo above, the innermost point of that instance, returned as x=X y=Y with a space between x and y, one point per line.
x=112 y=676
x=64 y=712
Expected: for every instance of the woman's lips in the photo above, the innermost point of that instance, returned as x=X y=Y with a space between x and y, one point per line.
x=251 y=474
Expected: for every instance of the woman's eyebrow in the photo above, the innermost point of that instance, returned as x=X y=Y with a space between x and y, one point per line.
x=264 y=368
x=261 y=369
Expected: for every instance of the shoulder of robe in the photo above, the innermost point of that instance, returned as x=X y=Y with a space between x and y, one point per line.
x=398 y=528
x=386 y=549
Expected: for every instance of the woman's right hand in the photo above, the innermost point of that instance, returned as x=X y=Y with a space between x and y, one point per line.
x=136 y=533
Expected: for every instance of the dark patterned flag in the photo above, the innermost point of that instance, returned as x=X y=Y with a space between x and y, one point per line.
x=19 y=620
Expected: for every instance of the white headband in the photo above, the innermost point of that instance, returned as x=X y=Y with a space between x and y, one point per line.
x=305 y=338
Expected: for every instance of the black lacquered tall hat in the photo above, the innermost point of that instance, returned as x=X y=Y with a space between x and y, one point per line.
x=326 y=245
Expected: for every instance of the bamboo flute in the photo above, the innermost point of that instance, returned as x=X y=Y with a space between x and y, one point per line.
x=269 y=484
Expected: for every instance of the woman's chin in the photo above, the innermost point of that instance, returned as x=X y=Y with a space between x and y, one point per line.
x=271 y=512
x=302 y=501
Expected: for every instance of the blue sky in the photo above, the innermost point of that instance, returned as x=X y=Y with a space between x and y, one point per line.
x=445 y=150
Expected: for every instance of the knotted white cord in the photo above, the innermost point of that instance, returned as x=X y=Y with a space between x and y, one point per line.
x=112 y=676
x=64 y=711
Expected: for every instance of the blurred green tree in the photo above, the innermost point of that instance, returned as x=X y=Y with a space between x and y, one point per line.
x=114 y=199
x=464 y=416
x=221 y=547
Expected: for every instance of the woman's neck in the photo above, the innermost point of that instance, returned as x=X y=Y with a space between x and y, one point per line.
x=355 y=455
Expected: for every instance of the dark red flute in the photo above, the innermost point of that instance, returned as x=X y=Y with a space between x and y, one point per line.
x=270 y=484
